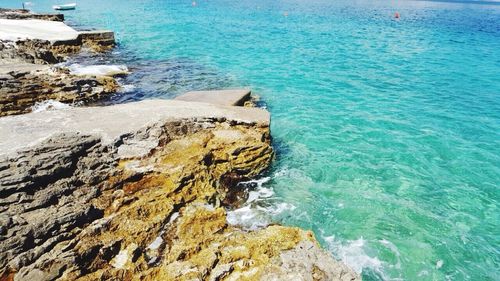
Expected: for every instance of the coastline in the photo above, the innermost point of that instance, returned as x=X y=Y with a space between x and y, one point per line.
x=30 y=51
x=138 y=191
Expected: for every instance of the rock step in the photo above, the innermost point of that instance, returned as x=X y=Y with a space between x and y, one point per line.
x=236 y=97
x=113 y=121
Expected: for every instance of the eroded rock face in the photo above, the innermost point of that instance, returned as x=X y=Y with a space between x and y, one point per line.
x=146 y=206
x=33 y=51
x=21 y=90
x=44 y=52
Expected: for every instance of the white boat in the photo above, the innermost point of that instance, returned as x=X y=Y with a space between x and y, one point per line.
x=64 y=7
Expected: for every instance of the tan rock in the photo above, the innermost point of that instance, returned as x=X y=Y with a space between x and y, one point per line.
x=21 y=90
x=134 y=196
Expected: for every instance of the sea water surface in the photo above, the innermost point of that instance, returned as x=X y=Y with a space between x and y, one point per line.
x=387 y=131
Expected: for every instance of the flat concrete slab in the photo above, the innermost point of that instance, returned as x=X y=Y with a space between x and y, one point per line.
x=52 y=31
x=219 y=97
x=22 y=131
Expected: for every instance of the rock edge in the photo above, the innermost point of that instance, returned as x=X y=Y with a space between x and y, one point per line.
x=144 y=201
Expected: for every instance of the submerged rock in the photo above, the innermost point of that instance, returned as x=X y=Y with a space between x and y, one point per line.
x=134 y=192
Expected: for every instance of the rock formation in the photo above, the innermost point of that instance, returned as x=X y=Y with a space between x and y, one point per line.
x=20 y=90
x=137 y=192
x=24 y=76
x=22 y=14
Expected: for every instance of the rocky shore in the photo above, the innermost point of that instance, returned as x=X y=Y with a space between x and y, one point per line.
x=22 y=14
x=30 y=46
x=135 y=191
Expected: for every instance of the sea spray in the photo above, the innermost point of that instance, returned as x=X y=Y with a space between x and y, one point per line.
x=257 y=212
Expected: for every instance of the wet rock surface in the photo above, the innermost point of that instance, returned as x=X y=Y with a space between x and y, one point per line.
x=143 y=200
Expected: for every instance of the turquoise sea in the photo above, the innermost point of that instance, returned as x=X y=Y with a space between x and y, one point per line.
x=387 y=131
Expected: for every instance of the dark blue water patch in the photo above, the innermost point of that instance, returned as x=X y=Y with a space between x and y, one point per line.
x=161 y=78
x=169 y=78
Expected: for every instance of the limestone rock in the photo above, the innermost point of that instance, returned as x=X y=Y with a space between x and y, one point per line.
x=21 y=90
x=23 y=79
x=142 y=200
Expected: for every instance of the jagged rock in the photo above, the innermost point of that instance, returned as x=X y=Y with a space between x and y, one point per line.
x=35 y=51
x=39 y=51
x=21 y=90
x=134 y=192
x=23 y=82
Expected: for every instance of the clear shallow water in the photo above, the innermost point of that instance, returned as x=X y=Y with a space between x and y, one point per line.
x=387 y=131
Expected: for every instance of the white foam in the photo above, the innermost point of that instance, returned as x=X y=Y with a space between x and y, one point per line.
x=254 y=217
x=256 y=195
x=257 y=212
x=260 y=192
x=247 y=218
x=49 y=105
x=127 y=88
x=388 y=244
x=101 y=70
x=354 y=255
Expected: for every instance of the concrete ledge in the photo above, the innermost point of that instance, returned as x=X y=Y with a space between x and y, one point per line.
x=51 y=31
x=110 y=122
x=235 y=97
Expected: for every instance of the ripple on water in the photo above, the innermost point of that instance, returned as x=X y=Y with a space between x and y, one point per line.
x=387 y=131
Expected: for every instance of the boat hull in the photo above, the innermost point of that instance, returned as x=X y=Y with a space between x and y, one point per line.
x=64 y=7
